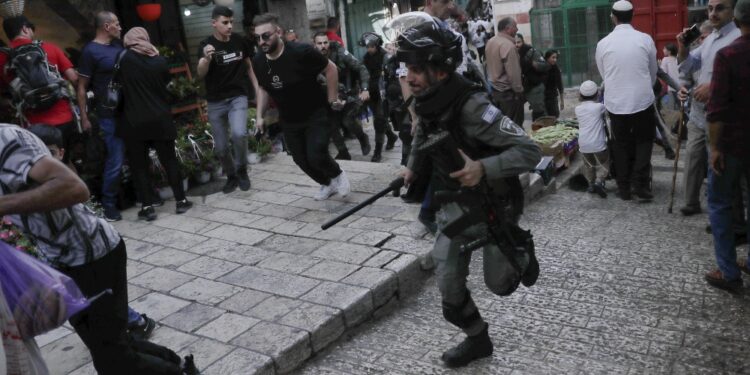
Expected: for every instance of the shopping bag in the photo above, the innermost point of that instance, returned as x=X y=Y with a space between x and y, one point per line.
x=39 y=297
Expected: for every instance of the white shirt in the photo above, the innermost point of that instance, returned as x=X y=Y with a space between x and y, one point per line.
x=478 y=39
x=591 y=135
x=626 y=59
x=669 y=66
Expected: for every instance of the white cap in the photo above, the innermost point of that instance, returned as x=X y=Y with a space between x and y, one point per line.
x=622 y=6
x=588 y=88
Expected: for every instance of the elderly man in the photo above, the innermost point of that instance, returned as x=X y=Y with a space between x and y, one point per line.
x=626 y=59
x=728 y=111
x=504 y=70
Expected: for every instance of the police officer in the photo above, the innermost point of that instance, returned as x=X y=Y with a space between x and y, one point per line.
x=491 y=148
x=373 y=61
x=535 y=69
x=355 y=93
x=396 y=108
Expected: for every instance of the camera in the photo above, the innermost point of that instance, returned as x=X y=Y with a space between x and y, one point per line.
x=691 y=35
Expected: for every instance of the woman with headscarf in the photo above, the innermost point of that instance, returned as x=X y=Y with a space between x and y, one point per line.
x=553 y=86
x=147 y=119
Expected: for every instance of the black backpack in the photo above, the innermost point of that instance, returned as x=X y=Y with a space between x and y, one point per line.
x=37 y=84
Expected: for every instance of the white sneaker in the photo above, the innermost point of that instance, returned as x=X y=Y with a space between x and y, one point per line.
x=342 y=185
x=325 y=192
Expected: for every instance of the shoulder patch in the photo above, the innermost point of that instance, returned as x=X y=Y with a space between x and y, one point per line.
x=509 y=127
x=490 y=113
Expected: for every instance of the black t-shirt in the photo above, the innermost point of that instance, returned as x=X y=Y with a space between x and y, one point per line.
x=291 y=80
x=227 y=73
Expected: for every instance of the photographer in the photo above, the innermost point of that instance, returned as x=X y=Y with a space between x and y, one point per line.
x=700 y=61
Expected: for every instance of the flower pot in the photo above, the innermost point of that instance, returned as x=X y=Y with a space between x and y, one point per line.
x=254 y=158
x=149 y=12
x=165 y=192
x=202 y=177
x=217 y=172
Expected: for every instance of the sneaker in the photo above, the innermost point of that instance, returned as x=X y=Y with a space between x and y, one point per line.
x=231 y=185
x=324 y=192
x=364 y=143
x=183 y=205
x=188 y=367
x=143 y=331
x=599 y=189
x=690 y=211
x=112 y=214
x=244 y=180
x=716 y=279
x=341 y=184
x=147 y=213
x=158 y=202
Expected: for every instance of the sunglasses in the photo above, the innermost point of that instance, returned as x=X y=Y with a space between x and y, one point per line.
x=265 y=36
x=717 y=9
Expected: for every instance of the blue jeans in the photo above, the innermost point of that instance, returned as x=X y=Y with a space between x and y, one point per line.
x=721 y=192
x=113 y=164
x=133 y=316
x=230 y=115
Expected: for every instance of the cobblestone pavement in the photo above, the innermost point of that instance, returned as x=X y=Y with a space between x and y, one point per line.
x=621 y=292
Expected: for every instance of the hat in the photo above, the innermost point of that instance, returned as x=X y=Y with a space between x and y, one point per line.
x=588 y=88
x=742 y=11
x=622 y=6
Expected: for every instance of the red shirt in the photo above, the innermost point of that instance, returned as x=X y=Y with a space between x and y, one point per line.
x=60 y=113
x=730 y=97
x=335 y=37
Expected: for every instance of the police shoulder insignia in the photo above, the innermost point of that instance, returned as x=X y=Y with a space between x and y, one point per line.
x=509 y=127
x=490 y=114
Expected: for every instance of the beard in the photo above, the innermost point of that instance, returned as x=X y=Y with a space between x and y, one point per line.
x=270 y=47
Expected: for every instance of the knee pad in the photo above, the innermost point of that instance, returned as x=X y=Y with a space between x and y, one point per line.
x=464 y=315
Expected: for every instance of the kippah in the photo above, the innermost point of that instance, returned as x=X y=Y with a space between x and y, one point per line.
x=622 y=6
x=588 y=88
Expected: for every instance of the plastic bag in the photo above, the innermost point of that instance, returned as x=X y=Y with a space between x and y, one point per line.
x=39 y=297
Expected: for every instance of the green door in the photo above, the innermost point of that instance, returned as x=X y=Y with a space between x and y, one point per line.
x=363 y=16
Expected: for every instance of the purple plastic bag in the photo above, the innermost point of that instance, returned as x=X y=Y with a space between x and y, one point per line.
x=40 y=297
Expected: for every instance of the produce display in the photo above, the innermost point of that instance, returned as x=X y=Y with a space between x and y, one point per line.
x=552 y=134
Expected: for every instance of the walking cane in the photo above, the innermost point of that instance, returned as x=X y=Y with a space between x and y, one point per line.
x=676 y=156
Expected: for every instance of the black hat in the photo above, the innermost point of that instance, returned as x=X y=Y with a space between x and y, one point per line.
x=430 y=43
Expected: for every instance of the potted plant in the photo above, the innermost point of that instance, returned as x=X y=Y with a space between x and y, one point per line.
x=184 y=91
x=206 y=165
x=258 y=148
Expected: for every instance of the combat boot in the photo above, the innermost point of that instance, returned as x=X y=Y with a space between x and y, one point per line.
x=377 y=155
x=473 y=347
x=343 y=155
x=364 y=142
x=392 y=138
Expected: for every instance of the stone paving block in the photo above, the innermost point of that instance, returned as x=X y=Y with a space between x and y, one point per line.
x=172 y=338
x=270 y=281
x=207 y=267
x=284 y=212
x=169 y=258
x=139 y=249
x=238 y=218
x=205 y=291
x=330 y=270
x=328 y=205
x=242 y=362
x=288 y=263
x=135 y=230
x=244 y=300
x=289 y=178
x=272 y=309
x=175 y=239
x=227 y=327
x=211 y=245
x=385 y=212
x=286 y=345
x=356 y=302
x=261 y=184
x=158 y=305
x=206 y=351
x=87 y=369
x=236 y=204
x=370 y=238
x=136 y=268
x=325 y=324
x=290 y=244
x=182 y=223
x=267 y=223
x=161 y=279
x=243 y=254
x=67 y=354
x=375 y=223
x=382 y=258
x=382 y=283
x=289 y=227
x=274 y=197
x=408 y=245
x=52 y=335
x=408 y=271
x=241 y=235
x=135 y=292
x=337 y=233
x=345 y=252
x=191 y=317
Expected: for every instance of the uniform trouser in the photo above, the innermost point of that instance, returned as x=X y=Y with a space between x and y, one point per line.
x=696 y=164
x=452 y=269
x=102 y=326
x=403 y=126
x=596 y=166
x=380 y=122
x=510 y=104
x=632 y=146
x=535 y=97
x=347 y=118
x=307 y=141
x=113 y=163
x=228 y=119
x=552 y=106
x=140 y=163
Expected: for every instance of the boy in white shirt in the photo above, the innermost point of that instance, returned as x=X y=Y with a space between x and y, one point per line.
x=592 y=138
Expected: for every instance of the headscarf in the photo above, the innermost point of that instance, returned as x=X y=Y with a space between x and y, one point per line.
x=137 y=39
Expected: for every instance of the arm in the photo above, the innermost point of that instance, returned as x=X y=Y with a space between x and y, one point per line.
x=71 y=76
x=58 y=188
x=513 y=69
x=83 y=84
x=251 y=74
x=261 y=102
x=206 y=53
x=719 y=109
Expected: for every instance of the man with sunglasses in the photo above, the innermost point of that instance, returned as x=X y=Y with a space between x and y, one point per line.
x=700 y=62
x=225 y=64
x=288 y=72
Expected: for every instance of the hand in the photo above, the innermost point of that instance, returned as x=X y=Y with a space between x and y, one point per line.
x=681 y=37
x=562 y=103
x=702 y=93
x=260 y=126
x=472 y=172
x=414 y=125
x=338 y=105
x=364 y=96
x=683 y=94
x=208 y=51
x=408 y=176
x=85 y=124
x=716 y=162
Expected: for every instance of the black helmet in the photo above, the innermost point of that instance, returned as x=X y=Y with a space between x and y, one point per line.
x=370 y=39
x=430 y=42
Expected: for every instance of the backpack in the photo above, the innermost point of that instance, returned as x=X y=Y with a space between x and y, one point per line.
x=37 y=84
